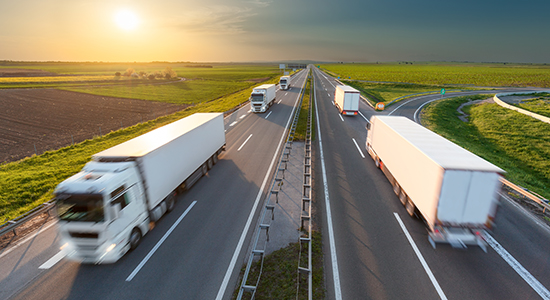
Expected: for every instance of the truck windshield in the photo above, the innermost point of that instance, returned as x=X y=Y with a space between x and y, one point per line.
x=283 y=81
x=82 y=207
x=257 y=97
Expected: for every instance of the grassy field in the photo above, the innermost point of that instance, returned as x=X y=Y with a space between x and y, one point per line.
x=280 y=274
x=446 y=74
x=387 y=92
x=539 y=104
x=30 y=182
x=515 y=142
x=301 y=127
x=183 y=92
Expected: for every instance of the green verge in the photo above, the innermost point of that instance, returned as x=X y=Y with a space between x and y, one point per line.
x=280 y=273
x=515 y=142
x=539 y=104
x=28 y=183
x=387 y=92
x=301 y=126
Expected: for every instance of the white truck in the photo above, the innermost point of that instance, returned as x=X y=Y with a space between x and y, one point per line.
x=284 y=82
x=105 y=209
x=346 y=100
x=262 y=97
x=453 y=190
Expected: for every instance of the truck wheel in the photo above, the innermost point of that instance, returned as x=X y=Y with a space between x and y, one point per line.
x=170 y=203
x=410 y=208
x=204 y=169
x=135 y=238
x=377 y=162
x=215 y=158
x=209 y=163
x=396 y=188
x=403 y=198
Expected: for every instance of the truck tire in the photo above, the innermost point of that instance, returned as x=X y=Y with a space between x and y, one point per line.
x=215 y=158
x=209 y=163
x=377 y=162
x=410 y=207
x=170 y=203
x=396 y=188
x=204 y=169
x=403 y=198
x=135 y=238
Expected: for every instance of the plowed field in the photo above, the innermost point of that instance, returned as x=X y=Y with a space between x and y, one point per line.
x=48 y=119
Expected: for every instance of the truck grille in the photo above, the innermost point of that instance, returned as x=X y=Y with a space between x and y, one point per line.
x=84 y=235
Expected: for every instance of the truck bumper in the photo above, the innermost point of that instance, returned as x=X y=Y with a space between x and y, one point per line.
x=457 y=237
x=88 y=254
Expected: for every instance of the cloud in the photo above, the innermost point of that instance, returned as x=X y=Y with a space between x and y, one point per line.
x=215 y=20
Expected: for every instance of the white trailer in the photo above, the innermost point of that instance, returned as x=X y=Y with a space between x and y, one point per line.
x=284 y=82
x=105 y=209
x=453 y=190
x=346 y=100
x=262 y=97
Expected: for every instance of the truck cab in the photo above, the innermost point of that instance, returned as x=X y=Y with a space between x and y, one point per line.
x=102 y=212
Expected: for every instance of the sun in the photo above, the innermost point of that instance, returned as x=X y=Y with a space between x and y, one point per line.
x=126 y=19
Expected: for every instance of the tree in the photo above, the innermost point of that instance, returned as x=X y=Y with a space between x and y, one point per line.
x=169 y=71
x=117 y=74
x=151 y=76
x=129 y=72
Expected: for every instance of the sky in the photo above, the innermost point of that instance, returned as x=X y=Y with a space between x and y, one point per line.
x=275 y=30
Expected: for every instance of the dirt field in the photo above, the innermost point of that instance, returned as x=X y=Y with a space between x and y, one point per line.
x=49 y=119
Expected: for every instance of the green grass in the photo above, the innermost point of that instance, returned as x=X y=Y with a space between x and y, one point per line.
x=446 y=74
x=27 y=183
x=184 y=92
x=539 y=104
x=515 y=142
x=280 y=274
x=301 y=126
x=387 y=92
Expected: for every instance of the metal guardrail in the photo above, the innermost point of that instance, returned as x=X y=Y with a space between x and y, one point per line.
x=264 y=223
x=539 y=200
x=305 y=216
x=12 y=226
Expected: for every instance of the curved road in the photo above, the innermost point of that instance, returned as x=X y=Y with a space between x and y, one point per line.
x=373 y=255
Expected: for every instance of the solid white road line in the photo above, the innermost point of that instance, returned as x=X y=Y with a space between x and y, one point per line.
x=333 y=257
x=364 y=117
x=54 y=260
x=358 y=149
x=239 y=247
x=268 y=115
x=530 y=279
x=30 y=237
x=232 y=124
x=341 y=118
x=421 y=258
x=159 y=243
x=244 y=142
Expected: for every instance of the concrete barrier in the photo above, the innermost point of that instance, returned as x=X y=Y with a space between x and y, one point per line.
x=520 y=110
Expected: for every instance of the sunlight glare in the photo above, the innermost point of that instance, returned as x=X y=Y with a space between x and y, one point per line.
x=126 y=20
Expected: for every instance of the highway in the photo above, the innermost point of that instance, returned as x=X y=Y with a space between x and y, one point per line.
x=375 y=250
x=194 y=252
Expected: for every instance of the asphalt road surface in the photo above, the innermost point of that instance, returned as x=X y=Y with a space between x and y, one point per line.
x=194 y=252
x=375 y=250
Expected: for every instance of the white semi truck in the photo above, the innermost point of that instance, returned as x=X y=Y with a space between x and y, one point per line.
x=262 y=97
x=105 y=209
x=346 y=100
x=453 y=190
x=284 y=82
